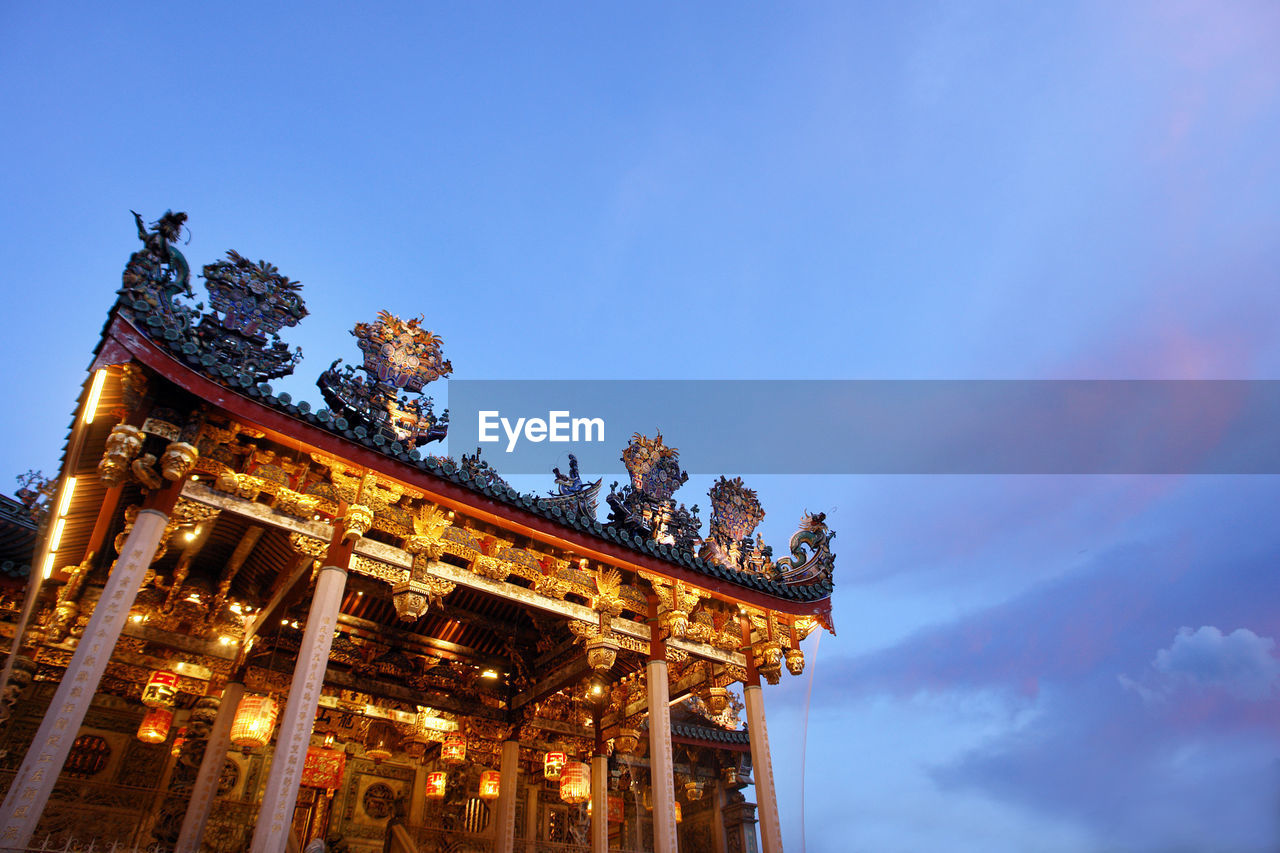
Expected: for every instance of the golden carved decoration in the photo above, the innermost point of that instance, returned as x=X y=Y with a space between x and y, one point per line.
x=413 y=597
x=177 y=461
x=491 y=567
x=308 y=545
x=356 y=486
x=726 y=640
x=356 y=522
x=429 y=524
x=550 y=586
x=795 y=661
x=123 y=444
x=769 y=662
x=298 y=505
x=606 y=600
x=241 y=485
x=377 y=569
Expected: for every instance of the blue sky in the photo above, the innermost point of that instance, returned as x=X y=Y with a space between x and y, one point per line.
x=954 y=191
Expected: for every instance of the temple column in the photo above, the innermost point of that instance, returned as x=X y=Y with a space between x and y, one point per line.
x=661 y=767
x=718 y=842
x=599 y=803
x=417 y=812
x=271 y=833
x=505 y=819
x=531 y=818
x=210 y=773
x=48 y=751
x=761 y=761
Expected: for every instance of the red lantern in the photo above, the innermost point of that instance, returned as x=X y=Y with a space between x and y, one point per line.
x=161 y=690
x=575 y=782
x=552 y=764
x=155 y=725
x=436 y=783
x=679 y=817
x=454 y=748
x=254 y=721
x=490 y=782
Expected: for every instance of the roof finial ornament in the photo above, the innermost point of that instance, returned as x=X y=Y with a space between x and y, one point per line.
x=646 y=506
x=399 y=356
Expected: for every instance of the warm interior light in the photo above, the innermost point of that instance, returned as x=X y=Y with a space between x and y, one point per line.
x=454 y=748
x=57 y=534
x=67 y=491
x=575 y=783
x=155 y=725
x=48 y=566
x=136 y=617
x=436 y=784
x=254 y=721
x=489 y=673
x=161 y=690
x=95 y=391
x=490 y=784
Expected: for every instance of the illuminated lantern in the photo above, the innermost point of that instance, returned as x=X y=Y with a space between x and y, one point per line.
x=155 y=725
x=693 y=790
x=436 y=783
x=575 y=782
x=679 y=817
x=454 y=747
x=161 y=690
x=490 y=782
x=254 y=721
x=552 y=764
x=379 y=747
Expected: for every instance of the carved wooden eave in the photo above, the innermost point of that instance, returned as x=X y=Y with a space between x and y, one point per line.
x=122 y=343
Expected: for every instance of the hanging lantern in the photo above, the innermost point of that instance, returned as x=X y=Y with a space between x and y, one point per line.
x=161 y=690
x=454 y=747
x=575 y=782
x=254 y=721
x=378 y=747
x=679 y=817
x=155 y=725
x=692 y=790
x=436 y=783
x=490 y=782
x=552 y=765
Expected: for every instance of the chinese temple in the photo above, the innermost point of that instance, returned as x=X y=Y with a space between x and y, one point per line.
x=251 y=624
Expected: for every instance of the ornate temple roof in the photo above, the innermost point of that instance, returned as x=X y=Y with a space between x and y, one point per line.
x=710 y=734
x=227 y=357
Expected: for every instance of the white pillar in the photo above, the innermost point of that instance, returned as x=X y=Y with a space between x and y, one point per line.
x=660 y=765
x=276 y=813
x=599 y=804
x=215 y=757
x=762 y=770
x=48 y=752
x=505 y=819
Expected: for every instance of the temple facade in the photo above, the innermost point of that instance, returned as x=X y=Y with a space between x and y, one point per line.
x=255 y=625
